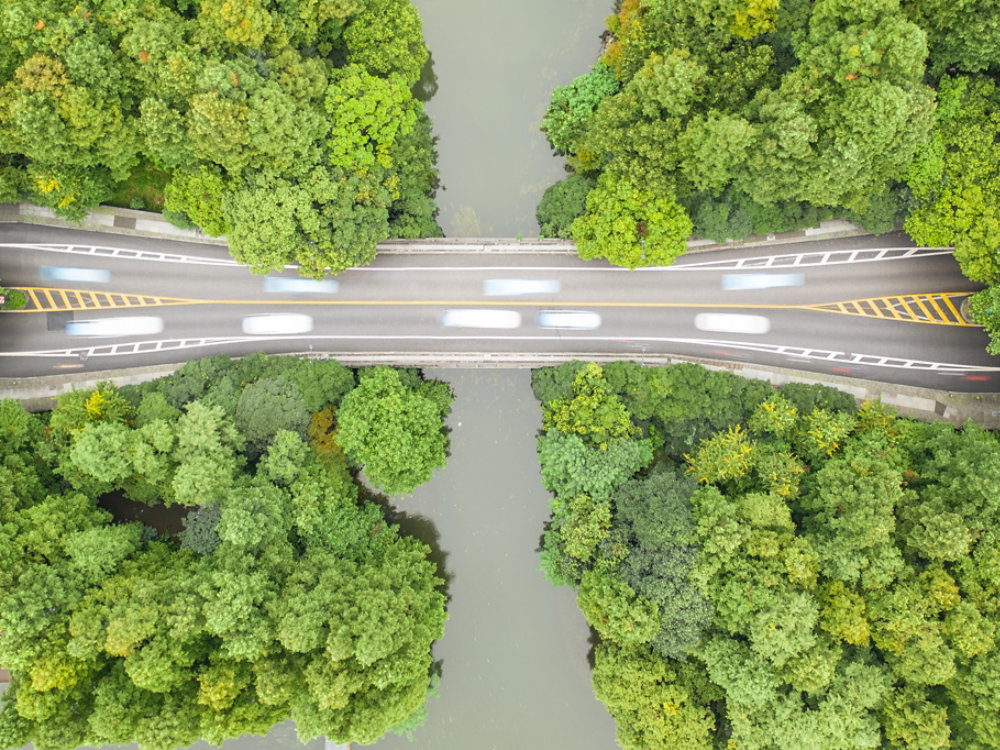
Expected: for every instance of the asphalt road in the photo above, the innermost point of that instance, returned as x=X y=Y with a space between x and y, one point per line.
x=868 y=307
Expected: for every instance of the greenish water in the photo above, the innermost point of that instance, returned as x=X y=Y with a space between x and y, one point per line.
x=495 y=66
x=514 y=653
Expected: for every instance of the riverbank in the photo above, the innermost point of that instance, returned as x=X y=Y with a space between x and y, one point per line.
x=40 y=393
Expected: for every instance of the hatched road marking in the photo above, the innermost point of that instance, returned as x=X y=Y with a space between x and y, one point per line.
x=939 y=308
x=49 y=299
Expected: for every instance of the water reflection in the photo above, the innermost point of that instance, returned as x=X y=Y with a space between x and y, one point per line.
x=427 y=86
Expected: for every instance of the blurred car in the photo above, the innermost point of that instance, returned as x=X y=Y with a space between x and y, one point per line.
x=69 y=273
x=477 y=318
x=511 y=287
x=740 y=281
x=138 y=325
x=579 y=319
x=276 y=324
x=285 y=285
x=732 y=323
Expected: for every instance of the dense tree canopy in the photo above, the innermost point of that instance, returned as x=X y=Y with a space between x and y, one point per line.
x=764 y=116
x=288 y=127
x=796 y=573
x=285 y=595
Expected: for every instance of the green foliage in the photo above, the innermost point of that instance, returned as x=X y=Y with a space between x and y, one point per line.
x=630 y=226
x=267 y=407
x=286 y=595
x=14 y=299
x=826 y=577
x=223 y=103
x=594 y=412
x=394 y=429
x=764 y=116
x=562 y=203
x=574 y=104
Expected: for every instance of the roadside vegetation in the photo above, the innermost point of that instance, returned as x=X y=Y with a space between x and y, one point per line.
x=265 y=582
x=732 y=117
x=770 y=568
x=288 y=127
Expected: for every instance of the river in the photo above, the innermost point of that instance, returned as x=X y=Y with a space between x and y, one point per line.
x=514 y=653
x=495 y=66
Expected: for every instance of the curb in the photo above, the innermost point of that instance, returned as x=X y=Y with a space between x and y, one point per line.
x=129 y=221
x=926 y=404
x=39 y=393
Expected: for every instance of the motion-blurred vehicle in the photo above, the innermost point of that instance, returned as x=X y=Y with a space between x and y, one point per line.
x=741 y=281
x=512 y=287
x=477 y=318
x=576 y=319
x=732 y=323
x=138 y=325
x=277 y=324
x=70 y=273
x=285 y=285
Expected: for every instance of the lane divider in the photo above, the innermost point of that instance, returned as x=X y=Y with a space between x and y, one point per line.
x=935 y=308
x=54 y=299
x=939 y=308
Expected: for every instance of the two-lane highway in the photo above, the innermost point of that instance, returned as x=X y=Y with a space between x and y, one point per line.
x=867 y=307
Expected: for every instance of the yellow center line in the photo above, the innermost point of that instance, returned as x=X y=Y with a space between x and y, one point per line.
x=858 y=307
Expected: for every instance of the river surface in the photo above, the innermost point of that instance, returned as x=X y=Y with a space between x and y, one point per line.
x=514 y=653
x=496 y=64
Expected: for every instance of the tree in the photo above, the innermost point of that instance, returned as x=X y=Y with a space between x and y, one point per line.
x=286 y=595
x=630 y=226
x=594 y=412
x=561 y=203
x=267 y=407
x=393 y=429
x=574 y=104
x=830 y=582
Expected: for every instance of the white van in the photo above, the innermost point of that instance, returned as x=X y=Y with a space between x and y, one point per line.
x=478 y=318
x=732 y=323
